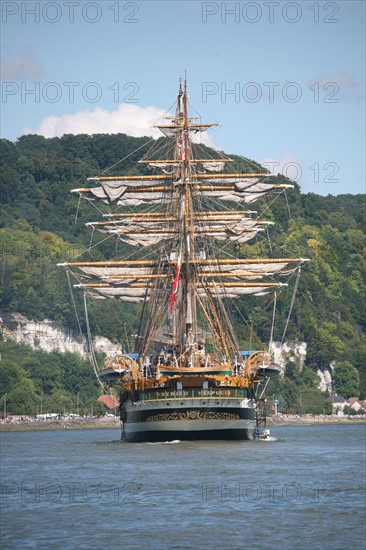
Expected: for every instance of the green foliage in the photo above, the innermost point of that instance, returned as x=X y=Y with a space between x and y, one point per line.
x=52 y=382
x=22 y=399
x=32 y=283
x=297 y=392
x=352 y=412
x=38 y=230
x=11 y=375
x=346 y=379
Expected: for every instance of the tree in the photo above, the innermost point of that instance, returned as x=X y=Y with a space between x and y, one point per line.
x=11 y=375
x=313 y=401
x=346 y=379
x=23 y=399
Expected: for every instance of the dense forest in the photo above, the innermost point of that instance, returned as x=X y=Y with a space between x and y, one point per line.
x=42 y=224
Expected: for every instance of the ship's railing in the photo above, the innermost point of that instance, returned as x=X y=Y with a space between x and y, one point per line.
x=148 y=395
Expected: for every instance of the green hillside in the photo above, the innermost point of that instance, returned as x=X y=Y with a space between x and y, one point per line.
x=42 y=225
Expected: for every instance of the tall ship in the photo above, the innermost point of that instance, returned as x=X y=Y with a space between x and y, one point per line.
x=182 y=224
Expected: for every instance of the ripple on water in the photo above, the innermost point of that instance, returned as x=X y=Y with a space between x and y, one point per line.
x=86 y=489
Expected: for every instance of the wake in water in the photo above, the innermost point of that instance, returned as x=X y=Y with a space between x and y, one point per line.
x=265 y=435
x=164 y=442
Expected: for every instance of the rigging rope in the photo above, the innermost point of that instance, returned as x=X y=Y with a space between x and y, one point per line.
x=264 y=389
x=292 y=303
x=77 y=210
x=126 y=157
x=273 y=319
x=94 y=246
x=74 y=306
x=91 y=237
x=288 y=206
x=269 y=241
x=85 y=343
x=91 y=355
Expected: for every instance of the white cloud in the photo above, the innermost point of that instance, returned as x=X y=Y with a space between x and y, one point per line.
x=338 y=85
x=286 y=165
x=129 y=119
x=24 y=67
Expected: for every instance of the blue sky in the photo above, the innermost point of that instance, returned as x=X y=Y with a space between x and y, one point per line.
x=286 y=80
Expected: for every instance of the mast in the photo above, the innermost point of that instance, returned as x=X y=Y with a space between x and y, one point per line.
x=185 y=315
x=190 y=329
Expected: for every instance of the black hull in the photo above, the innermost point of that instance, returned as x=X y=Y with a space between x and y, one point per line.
x=188 y=419
x=214 y=435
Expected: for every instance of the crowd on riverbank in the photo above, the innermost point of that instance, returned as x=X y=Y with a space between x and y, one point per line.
x=54 y=422
x=316 y=418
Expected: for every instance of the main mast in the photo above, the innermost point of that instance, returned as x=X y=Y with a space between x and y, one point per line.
x=185 y=315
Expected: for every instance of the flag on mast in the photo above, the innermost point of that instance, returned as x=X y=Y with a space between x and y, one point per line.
x=176 y=279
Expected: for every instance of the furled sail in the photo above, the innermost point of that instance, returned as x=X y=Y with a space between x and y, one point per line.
x=143 y=293
x=174 y=129
x=123 y=195
x=133 y=282
x=145 y=232
x=214 y=166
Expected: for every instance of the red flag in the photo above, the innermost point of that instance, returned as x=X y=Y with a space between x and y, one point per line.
x=172 y=300
x=175 y=288
x=176 y=279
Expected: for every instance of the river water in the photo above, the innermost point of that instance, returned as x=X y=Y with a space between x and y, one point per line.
x=305 y=488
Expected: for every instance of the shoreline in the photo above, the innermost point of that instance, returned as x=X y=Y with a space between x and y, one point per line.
x=114 y=423
x=83 y=424
x=310 y=419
